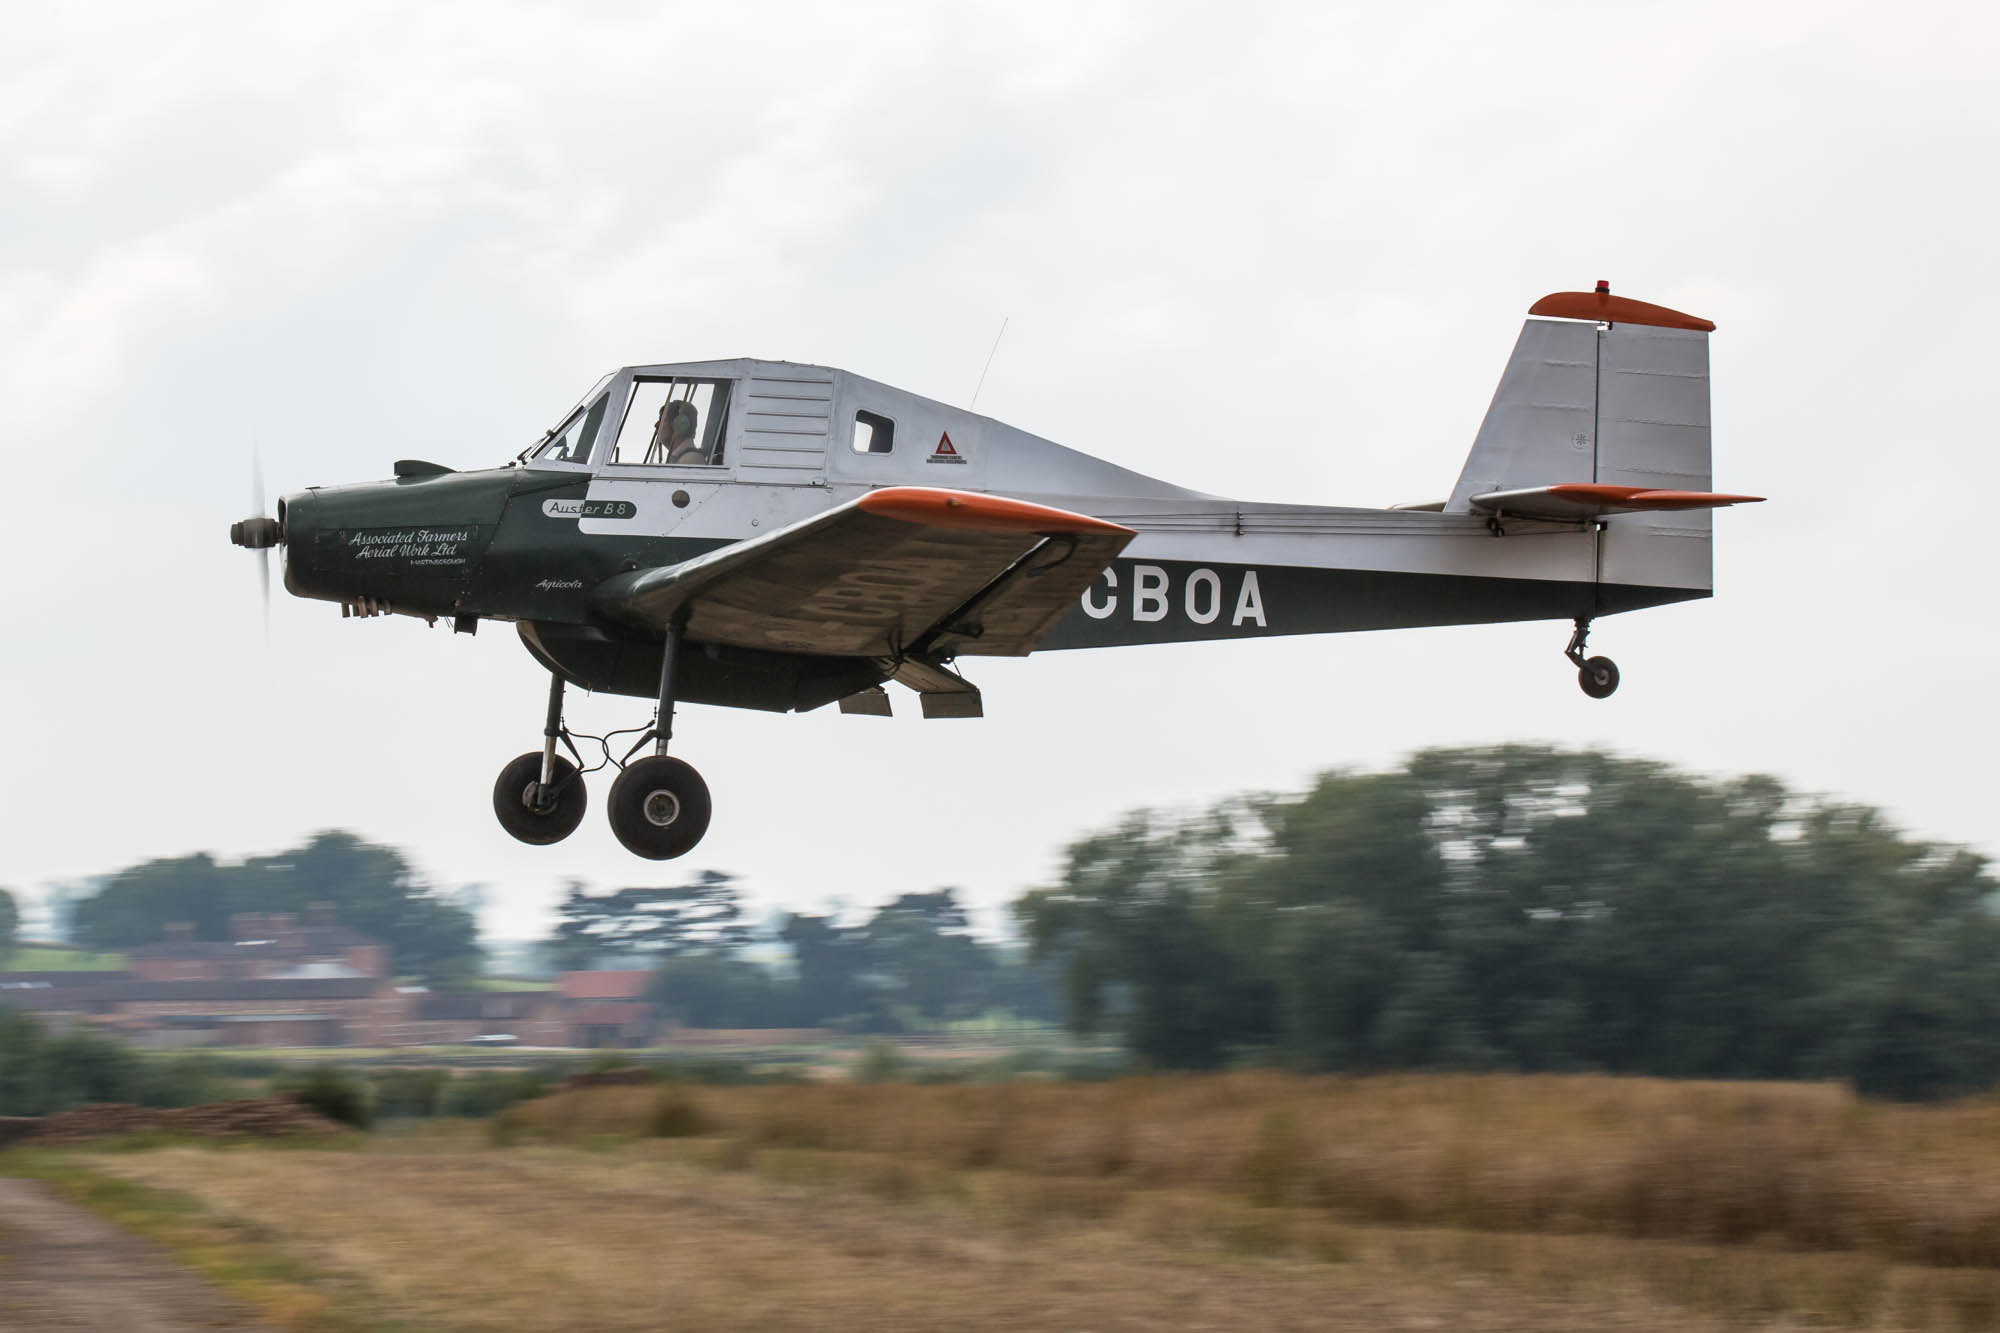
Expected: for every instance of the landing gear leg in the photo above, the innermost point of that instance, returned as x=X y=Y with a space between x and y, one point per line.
x=1597 y=675
x=659 y=805
x=540 y=798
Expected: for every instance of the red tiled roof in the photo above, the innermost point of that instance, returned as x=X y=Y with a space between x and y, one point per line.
x=607 y=985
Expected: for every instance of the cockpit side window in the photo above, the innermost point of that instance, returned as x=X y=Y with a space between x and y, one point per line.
x=571 y=441
x=873 y=433
x=674 y=422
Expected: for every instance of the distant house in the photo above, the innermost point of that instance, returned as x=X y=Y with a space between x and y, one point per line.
x=278 y=981
x=608 y=1008
x=264 y=946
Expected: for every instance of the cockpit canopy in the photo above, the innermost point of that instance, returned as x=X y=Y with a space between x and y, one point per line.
x=787 y=423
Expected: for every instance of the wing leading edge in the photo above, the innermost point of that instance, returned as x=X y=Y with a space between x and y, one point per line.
x=906 y=571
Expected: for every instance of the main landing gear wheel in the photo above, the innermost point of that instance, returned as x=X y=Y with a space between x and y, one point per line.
x=1598 y=676
x=536 y=814
x=659 y=807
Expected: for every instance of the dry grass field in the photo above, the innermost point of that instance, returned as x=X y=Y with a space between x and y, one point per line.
x=1199 y=1202
x=1807 y=1166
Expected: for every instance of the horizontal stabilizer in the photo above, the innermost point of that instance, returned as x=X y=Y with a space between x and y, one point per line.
x=1582 y=499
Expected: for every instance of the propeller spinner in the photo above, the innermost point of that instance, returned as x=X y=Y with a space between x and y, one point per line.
x=259 y=534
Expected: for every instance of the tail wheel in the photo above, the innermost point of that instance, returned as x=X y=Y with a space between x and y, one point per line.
x=1598 y=676
x=552 y=818
x=659 y=807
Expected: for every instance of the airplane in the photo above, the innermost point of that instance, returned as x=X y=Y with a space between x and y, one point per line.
x=780 y=536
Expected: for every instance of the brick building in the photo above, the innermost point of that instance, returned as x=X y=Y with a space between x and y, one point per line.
x=609 y=1008
x=264 y=947
x=278 y=981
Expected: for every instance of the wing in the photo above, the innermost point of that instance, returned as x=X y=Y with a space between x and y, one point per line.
x=902 y=571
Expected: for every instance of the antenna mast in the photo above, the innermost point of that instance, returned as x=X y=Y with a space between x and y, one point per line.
x=989 y=364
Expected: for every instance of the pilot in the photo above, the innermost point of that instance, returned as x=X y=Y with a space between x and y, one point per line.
x=675 y=433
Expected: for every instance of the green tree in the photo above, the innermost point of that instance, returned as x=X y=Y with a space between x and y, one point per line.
x=924 y=958
x=1539 y=909
x=712 y=990
x=701 y=917
x=372 y=889
x=1133 y=926
x=832 y=965
x=10 y=922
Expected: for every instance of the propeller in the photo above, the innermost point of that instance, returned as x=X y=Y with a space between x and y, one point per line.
x=259 y=534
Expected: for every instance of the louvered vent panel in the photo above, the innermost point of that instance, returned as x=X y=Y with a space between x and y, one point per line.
x=786 y=421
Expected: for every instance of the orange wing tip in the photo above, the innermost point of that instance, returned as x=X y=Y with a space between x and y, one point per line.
x=981 y=513
x=1641 y=497
x=1616 y=310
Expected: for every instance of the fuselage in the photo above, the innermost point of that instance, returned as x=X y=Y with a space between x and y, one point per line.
x=528 y=542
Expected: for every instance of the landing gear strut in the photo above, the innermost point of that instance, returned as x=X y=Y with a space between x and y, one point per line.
x=659 y=805
x=1597 y=675
x=540 y=797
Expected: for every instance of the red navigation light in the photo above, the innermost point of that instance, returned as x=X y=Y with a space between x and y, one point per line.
x=1604 y=287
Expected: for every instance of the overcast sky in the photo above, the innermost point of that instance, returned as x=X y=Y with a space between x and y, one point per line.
x=1278 y=251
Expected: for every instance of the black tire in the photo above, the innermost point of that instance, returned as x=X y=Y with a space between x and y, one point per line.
x=1598 y=676
x=513 y=794
x=659 y=808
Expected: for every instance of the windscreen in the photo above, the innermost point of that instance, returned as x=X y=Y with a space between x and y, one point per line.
x=570 y=442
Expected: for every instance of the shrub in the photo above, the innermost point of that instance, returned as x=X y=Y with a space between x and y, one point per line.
x=675 y=1115
x=42 y=1072
x=880 y=1063
x=490 y=1092
x=409 y=1092
x=181 y=1080
x=334 y=1094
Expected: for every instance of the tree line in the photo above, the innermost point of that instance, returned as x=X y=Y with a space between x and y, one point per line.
x=1535 y=909
x=911 y=963
x=1516 y=907
x=373 y=890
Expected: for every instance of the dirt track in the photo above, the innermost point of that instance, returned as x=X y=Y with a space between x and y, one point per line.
x=62 y=1269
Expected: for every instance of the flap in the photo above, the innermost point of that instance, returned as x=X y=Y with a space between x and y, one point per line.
x=1583 y=499
x=904 y=569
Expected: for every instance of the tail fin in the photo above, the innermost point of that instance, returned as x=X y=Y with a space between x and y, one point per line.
x=1605 y=391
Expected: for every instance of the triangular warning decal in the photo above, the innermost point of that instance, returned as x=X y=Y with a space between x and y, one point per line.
x=946 y=451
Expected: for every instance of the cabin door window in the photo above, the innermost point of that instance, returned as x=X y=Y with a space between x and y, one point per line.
x=674 y=423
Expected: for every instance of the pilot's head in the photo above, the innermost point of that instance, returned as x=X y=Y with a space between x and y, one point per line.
x=682 y=418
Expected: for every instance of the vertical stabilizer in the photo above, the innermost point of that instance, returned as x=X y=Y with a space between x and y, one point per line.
x=1541 y=427
x=1611 y=391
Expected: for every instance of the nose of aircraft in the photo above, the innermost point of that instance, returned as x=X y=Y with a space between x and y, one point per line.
x=260 y=534
x=256 y=533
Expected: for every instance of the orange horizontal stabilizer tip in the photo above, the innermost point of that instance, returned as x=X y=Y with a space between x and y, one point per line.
x=983 y=513
x=1641 y=497
x=1690 y=500
x=1615 y=310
